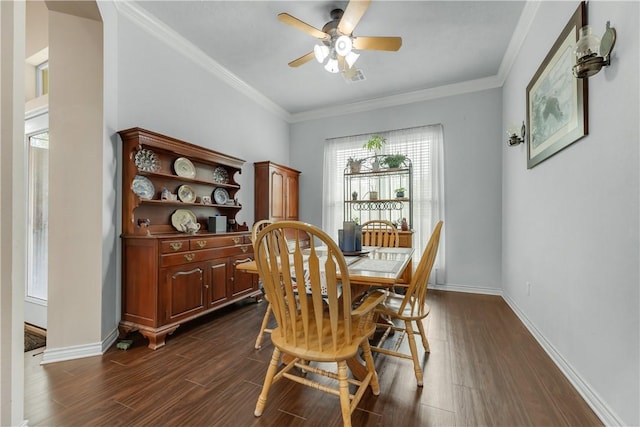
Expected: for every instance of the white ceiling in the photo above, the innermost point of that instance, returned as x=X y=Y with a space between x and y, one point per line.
x=443 y=43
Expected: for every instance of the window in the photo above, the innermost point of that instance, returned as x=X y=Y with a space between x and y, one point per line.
x=424 y=146
x=42 y=79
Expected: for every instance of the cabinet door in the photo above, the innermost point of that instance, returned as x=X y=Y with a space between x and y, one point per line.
x=291 y=196
x=241 y=281
x=182 y=291
x=277 y=196
x=217 y=283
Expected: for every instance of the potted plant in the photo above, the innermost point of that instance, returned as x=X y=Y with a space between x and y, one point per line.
x=394 y=161
x=354 y=165
x=375 y=144
x=400 y=191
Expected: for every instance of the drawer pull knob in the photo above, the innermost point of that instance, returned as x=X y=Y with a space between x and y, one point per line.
x=236 y=240
x=201 y=243
x=244 y=249
x=176 y=245
x=189 y=257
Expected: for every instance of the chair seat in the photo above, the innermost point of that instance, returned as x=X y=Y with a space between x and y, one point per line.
x=320 y=350
x=391 y=307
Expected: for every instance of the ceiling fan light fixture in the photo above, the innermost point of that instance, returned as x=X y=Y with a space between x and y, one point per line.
x=351 y=58
x=343 y=45
x=332 y=66
x=321 y=52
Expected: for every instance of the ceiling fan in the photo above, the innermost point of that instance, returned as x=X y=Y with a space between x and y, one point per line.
x=336 y=51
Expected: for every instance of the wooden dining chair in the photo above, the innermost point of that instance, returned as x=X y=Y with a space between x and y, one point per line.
x=408 y=308
x=257 y=227
x=380 y=232
x=314 y=316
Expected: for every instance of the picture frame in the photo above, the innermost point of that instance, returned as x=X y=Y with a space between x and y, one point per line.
x=556 y=100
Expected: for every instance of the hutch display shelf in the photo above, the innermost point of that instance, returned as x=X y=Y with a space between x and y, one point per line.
x=174 y=268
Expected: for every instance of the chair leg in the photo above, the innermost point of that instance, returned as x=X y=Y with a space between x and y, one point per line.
x=345 y=402
x=263 y=327
x=268 y=380
x=423 y=335
x=414 y=352
x=368 y=358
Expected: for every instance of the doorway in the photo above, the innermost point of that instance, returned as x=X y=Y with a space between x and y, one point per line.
x=37 y=148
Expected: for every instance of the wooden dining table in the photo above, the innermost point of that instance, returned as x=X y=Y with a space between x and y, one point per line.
x=372 y=267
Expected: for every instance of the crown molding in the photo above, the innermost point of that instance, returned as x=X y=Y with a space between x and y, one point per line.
x=171 y=38
x=400 y=99
x=517 y=39
x=168 y=36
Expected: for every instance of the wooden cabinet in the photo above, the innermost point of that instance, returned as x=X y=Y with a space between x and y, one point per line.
x=169 y=276
x=276 y=192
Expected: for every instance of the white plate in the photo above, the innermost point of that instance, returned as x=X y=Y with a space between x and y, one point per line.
x=220 y=175
x=143 y=187
x=220 y=196
x=184 y=168
x=147 y=161
x=182 y=216
x=186 y=194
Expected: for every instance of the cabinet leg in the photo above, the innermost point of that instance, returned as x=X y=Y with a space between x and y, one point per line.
x=156 y=339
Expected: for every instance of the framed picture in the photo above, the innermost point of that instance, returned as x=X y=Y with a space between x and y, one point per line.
x=556 y=100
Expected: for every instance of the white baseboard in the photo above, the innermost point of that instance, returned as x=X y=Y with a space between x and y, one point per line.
x=467 y=289
x=52 y=355
x=601 y=409
x=591 y=397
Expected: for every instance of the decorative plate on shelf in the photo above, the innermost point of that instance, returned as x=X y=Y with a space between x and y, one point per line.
x=186 y=194
x=143 y=187
x=220 y=175
x=147 y=161
x=220 y=196
x=184 y=168
x=181 y=217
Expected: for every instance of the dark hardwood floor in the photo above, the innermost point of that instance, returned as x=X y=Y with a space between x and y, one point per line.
x=484 y=369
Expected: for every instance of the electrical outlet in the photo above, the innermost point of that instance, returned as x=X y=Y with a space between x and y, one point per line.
x=528 y=288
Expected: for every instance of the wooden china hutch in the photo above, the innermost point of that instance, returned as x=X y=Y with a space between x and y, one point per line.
x=180 y=239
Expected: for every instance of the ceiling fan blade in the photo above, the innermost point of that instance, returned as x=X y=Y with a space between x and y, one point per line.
x=352 y=14
x=377 y=43
x=342 y=63
x=302 y=26
x=302 y=60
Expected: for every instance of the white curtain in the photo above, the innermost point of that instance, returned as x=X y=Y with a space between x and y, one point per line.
x=424 y=147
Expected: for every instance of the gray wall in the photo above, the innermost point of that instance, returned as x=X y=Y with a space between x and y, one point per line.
x=570 y=225
x=166 y=91
x=472 y=167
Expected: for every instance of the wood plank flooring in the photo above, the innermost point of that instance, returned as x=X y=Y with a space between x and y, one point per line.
x=484 y=369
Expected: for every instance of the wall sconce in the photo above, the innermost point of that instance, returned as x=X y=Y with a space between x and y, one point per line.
x=512 y=133
x=592 y=53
